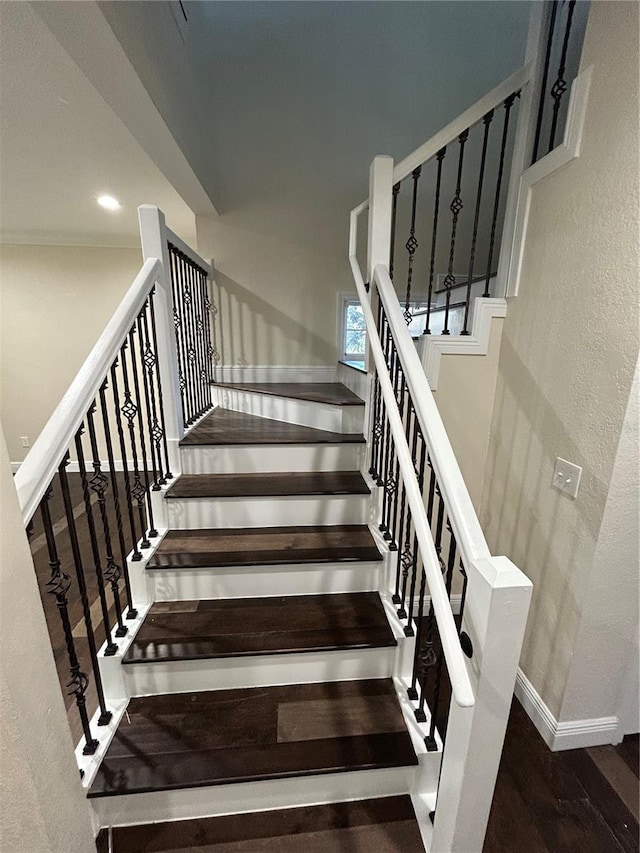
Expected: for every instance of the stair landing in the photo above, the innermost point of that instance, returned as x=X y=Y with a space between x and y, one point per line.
x=186 y=740
x=332 y=393
x=383 y=825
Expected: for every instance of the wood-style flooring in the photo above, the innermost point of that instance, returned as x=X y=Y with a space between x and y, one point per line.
x=223 y=736
x=289 y=484
x=265 y=546
x=225 y=427
x=191 y=630
x=384 y=825
x=334 y=393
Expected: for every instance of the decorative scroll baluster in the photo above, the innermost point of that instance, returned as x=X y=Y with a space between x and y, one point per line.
x=463 y=598
x=167 y=475
x=111 y=648
x=152 y=532
x=150 y=361
x=412 y=692
x=130 y=410
x=376 y=429
x=180 y=331
x=146 y=364
x=394 y=211
x=136 y=555
x=411 y=245
x=105 y=715
x=508 y=104
x=415 y=555
x=455 y=208
x=116 y=501
x=408 y=416
x=203 y=375
x=560 y=86
x=99 y=483
x=545 y=77
x=434 y=235
x=58 y=585
x=483 y=157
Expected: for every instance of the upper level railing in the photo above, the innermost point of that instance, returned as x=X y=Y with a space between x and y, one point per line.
x=87 y=486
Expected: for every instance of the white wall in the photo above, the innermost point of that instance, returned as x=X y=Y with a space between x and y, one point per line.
x=54 y=303
x=569 y=351
x=44 y=808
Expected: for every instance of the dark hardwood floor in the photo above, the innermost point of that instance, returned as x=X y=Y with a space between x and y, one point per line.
x=286 y=484
x=225 y=427
x=334 y=393
x=384 y=825
x=265 y=546
x=190 y=630
x=215 y=737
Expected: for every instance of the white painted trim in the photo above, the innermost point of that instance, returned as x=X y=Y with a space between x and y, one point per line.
x=274 y=373
x=569 y=734
x=42 y=461
x=561 y=155
x=477 y=343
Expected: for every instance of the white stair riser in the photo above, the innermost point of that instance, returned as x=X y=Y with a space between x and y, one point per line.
x=250 y=459
x=302 y=412
x=252 y=581
x=198 y=513
x=149 y=679
x=215 y=800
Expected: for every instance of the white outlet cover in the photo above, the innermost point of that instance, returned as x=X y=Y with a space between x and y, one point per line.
x=566 y=477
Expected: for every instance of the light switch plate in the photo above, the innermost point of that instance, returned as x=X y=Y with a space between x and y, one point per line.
x=566 y=477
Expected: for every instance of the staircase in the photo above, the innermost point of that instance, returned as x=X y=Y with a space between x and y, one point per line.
x=263 y=669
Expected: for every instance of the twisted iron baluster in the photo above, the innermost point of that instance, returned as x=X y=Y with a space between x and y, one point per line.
x=434 y=235
x=560 y=86
x=455 y=207
x=394 y=210
x=99 y=483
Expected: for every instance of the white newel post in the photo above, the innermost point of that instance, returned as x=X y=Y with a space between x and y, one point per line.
x=154 y=245
x=495 y=616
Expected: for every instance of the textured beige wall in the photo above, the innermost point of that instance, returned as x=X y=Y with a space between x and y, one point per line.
x=569 y=349
x=465 y=396
x=277 y=299
x=44 y=809
x=54 y=303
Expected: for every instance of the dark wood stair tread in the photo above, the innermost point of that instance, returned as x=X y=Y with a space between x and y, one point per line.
x=215 y=737
x=296 y=483
x=226 y=427
x=216 y=628
x=265 y=546
x=334 y=393
x=381 y=825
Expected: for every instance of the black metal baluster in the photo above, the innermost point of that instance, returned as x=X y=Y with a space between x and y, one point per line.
x=560 y=86
x=390 y=484
x=178 y=325
x=130 y=410
x=111 y=648
x=154 y=334
x=384 y=444
x=451 y=561
x=151 y=532
x=427 y=659
x=455 y=207
x=412 y=692
x=405 y=557
x=401 y=398
x=483 y=157
x=210 y=309
x=463 y=598
x=99 y=483
x=58 y=585
x=376 y=428
x=434 y=236
x=405 y=519
x=136 y=555
x=414 y=565
x=151 y=419
x=202 y=350
x=116 y=501
x=432 y=490
x=508 y=104
x=191 y=347
x=150 y=361
x=545 y=77
x=394 y=210
x=183 y=302
x=411 y=245
x=105 y=715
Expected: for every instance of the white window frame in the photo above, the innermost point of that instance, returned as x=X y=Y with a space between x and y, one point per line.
x=345 y=299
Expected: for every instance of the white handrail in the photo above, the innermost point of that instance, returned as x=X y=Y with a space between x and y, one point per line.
x=460 y=682
x=38 y=469
x=460 y=510
x=172 y=237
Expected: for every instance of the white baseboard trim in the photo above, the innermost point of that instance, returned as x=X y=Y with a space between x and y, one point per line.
x=274 y=373
x=571 y=734
x=477 y=343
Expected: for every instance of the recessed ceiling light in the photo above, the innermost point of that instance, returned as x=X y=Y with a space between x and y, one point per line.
x=109 y=202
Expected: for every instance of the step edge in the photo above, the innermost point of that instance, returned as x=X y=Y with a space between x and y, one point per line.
x=236 y=387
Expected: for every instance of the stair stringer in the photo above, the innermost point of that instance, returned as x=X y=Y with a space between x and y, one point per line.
x=431 y=348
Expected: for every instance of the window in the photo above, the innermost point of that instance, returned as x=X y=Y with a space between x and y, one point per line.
x=355 y=334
